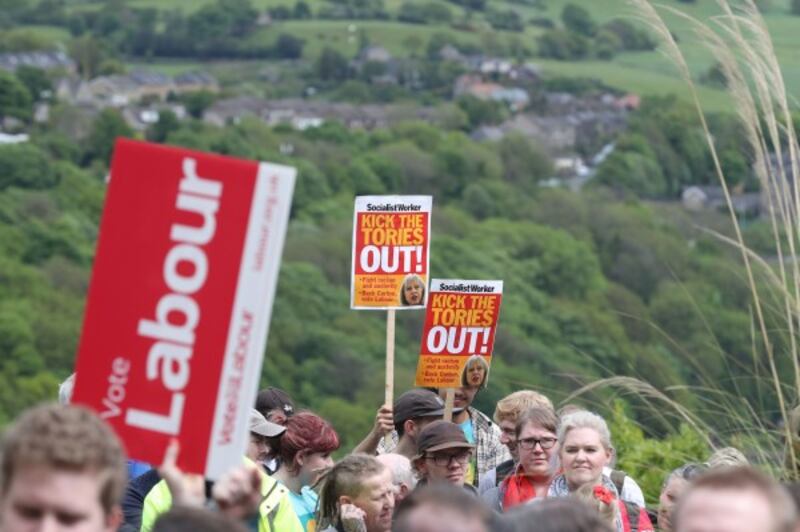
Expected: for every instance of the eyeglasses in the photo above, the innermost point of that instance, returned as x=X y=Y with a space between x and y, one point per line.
x=446 y=459
x=530 y=443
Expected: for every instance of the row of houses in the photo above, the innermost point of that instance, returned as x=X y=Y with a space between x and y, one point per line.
x=304 y=114
x=122 y=90
x=45 y=60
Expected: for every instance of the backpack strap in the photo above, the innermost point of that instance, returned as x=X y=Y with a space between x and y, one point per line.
x=633 y=510
x=618 y=478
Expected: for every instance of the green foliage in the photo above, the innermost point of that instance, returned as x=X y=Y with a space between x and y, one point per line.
x=524 y=162
x=197 y=102
x=795 y=7
x=288 y=47
x=424 y=13
x=481 y=112
x=331 y=66
x=108 y=125
x=578 y=19
x=35 y=80
x=650 y=460
x=564 y=45
x=15 y=100
x=26 y=166
x=664 y=150
x=507 y=19
x=167 y=123
x=631 y=37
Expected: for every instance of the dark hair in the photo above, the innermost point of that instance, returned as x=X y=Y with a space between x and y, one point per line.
x=66 y=438
x=556 y=515
x=273 y=398
x=345 y=478
x=306 y=431
x=543 y=417
x=185 y=519
x=442 y=496
x=745 y=478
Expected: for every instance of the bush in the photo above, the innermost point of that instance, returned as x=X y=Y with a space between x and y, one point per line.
x=26 y=166
x=564 y=45
x=631 y=37
x=578 y=19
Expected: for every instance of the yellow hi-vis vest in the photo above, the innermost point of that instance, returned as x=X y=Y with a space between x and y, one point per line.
x=276 y=513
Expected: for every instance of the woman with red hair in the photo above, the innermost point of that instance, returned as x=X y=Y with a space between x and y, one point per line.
x=305 y=454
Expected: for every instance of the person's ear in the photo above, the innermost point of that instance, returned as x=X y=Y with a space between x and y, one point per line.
x=345 y=499
x=114 y=519
x=410 y=428
x=609 y=455
x=300 y=459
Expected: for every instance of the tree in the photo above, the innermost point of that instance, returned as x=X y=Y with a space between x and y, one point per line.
x=578 y=19
x=25 y=165
x=288 y=46
x=15 y=100
x=88 y=53
x=332 y=65
x=481 y=112
x=108 y=125
x=301 y=10
x=197 y=102
x=35 y=80
x=795 y=8
x=564 y=45
x=524 y=163
x=167 y=123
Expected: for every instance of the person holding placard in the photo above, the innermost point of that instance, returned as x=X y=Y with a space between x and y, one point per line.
x=412 y=411
x=479 y=431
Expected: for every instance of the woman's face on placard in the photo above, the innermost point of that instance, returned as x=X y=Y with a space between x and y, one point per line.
x=476 y=373
x=413 y=291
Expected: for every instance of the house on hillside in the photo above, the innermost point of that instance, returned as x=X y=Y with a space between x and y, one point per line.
x=122 y=90
x=46 y=60
x=195 y=81
x=701 y=197
x=474 y=85
x=374 y=54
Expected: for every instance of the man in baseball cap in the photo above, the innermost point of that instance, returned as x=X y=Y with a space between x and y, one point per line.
x=412 y=411
x=261 y=432
x=443 y=454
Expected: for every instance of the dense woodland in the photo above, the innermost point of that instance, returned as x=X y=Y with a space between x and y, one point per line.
x=614 y=280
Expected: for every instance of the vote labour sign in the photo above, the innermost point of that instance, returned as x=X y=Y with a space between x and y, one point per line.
x=457 y=341
x=180 y=300
x=391 y=236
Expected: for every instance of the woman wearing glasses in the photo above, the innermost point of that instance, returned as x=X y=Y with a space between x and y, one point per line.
x=584 y=449
x=536 y=444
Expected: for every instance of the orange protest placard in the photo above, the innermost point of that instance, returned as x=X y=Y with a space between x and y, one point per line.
x=458 y=338
x=391 y=236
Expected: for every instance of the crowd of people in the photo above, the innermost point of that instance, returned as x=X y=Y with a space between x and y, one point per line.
x=529 y=468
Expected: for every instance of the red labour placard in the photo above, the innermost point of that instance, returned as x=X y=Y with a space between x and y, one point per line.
x=180 y=300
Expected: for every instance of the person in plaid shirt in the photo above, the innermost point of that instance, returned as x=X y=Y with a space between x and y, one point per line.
x=478 y=429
